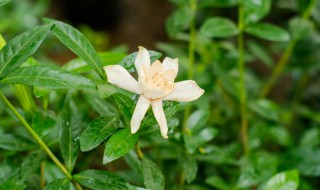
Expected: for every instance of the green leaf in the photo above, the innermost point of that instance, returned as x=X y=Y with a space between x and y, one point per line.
x=284 y=180
x=217 y=3
x=98 y=130
x=300 y=28
x=119 y=144
x=125 y=104
x=194 y=141
x=255 y=10
x=218 y=183
x=60 y=184
x=105 y=89
x=268 y=32
x=15 y=143
x=31 y=163
x=197 y=120
x=18 y=50
x=107 y=58
x=218 y=27
x=3 y=2
x=190 y=167
x=100 y=180
x=42 y=123
x=77 y=43
x=128 y=61
x=153 y=178
x=103 y=107
x=68 y=145
x=12 y=184
x=48 y=77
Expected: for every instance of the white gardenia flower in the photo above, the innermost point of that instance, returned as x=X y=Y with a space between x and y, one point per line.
x=155 y=84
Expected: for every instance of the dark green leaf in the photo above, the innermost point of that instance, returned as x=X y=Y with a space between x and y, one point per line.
x=48 y=77
x=190 y=168
x=197 y=120
x=100 y=180
x=15 y=143
x=42 y=123
x=268 y=32
x=128 y=61
x=217 y=3
x=119 y=144
x=105 y=89
x=58 y=184
x=255 y=10
x=300 y=28
x=31 y=164
x=80 y=45
x=218 y=183
x=218 y=27
x=21 y=48
x=100 y=105
x=125 y=104
x=12 y=184
x=98 y=130
x=283 y=180
x=153 y=178
x=68 y=144
x=194 y=141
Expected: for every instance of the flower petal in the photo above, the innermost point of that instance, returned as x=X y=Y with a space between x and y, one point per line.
x=160 y=117
x=169 y=63
x=138 y=114
x=185 y=91
x=143 y=58
x=155 y=68
x=119 y=76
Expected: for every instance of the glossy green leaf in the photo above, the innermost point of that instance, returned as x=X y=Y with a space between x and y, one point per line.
x=21 y=48
x=39 y=92
x=152 y=175
x=255 y=10
x=42 y=123
x=125 y=104
x=217 y=3
x=119 y=144
x=194 y=141
x=100 y=180
x=105 y=89
x=80 y=45
x=58 y=184
x=31 y=164
x=218 y=27
x=48 y=77
x=3 y=2
x=190 y=168
x=80 y=66
x=101 y=106
x=197 y=120
x=15 y=143
x=68 y=144
x=268 y=32
x=284 y=180
x=128 y=61
x=97 y=131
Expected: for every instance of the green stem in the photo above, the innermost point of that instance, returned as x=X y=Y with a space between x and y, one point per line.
x=242 y=89
x=35 y=136
x=284 y=59
x=192 y=46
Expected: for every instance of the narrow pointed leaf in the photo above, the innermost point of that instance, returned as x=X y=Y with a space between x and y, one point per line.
x=119 y=144
x=128 y=61
x=18 y=50
x=153 y=178
x=3 y=2
x=69 y=147
x=60 y=184
x=48 y=77
x=97 y=131
x=77 y=43
x=268 y=32
x=101 y=180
